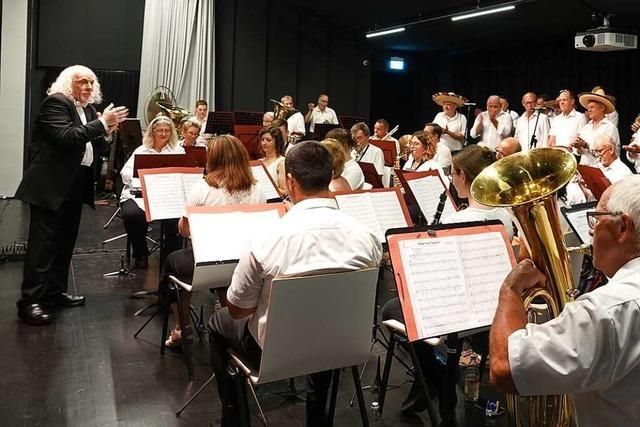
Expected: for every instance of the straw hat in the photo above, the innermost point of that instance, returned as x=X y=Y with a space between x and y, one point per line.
x=441 y=97
x=598 y=95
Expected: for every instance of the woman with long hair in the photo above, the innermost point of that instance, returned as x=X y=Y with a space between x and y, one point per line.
x=338 y=182
x=229 y=181
x=272 y=146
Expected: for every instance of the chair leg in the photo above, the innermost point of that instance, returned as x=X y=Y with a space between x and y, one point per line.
x=387 y=370
x=183 y=341
x=241 y=392
x=420 y=377
x=356 y=383
x=335 y=381
x=165 y=325
x=263 y=419
x=482 y=365
x=145 y=324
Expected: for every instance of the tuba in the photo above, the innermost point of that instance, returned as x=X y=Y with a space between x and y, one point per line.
x=527 y=183
x=281 y=111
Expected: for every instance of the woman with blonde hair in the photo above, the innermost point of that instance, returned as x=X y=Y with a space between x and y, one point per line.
x=338 y=182
x=228 y=182
x=160 y=138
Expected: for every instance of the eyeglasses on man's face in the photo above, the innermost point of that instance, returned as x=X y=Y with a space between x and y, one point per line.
x=593 y=217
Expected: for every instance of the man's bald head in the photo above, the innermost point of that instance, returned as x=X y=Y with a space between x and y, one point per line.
x=605 y=150
x=507 y=147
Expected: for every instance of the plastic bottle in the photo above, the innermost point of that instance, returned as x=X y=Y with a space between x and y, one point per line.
x=471 y=383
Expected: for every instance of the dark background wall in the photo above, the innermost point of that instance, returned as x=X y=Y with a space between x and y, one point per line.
x=269 y=48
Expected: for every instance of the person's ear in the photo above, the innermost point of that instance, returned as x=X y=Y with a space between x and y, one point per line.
x=625 y=228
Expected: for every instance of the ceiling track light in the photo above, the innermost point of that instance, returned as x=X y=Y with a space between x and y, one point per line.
x=481 y=12
x=384 y=32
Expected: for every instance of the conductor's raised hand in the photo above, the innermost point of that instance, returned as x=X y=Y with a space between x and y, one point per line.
x=524 y=276
x=114 y=115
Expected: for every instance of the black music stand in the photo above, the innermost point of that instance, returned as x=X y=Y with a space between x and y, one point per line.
x=348 y=121
x=220 y=122
x=130 y=136
x=320 y=130
x=248 y=118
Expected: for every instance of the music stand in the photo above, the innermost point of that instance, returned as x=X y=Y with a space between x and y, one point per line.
x=348 y=121
x=248 y=135
x=389 y=151
x=197 y=156
x=594 y=179
x=248 y=118
x=220 y=122
x=154 y=161
x=371 y=174
x=320 y=130
x=130 y=136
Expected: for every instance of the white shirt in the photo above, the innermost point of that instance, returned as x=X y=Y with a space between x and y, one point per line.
x=524 y=130
x=567 y=127
x=353 y=174
x=319 y=116
x=491 y=136
x=314 y=237
x=272 y=168
x=590 y=350
x=443 y=154
x=370 y=154
x=127 y=170
x=514 y=116
x=425 y=166
x=634 y=158
x=589 y=133
x=87 y=159
x=202 y=194
x=480 y=214
x=613 y=117
x=615 y=171
x=295 y=123
x=457 y=123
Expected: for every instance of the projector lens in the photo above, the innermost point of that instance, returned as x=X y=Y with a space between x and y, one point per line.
x=589 y=40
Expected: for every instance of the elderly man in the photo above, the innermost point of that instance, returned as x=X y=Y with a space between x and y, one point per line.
x=591 y=349
x=320 y=113
x=267 y=118
x=608 y=161
x=532 y=120
x=56 y=184
x=492 y=125
x=507 y=147
x=295 y=122
x=312 y=238
x=504 y=106
x=363 y=151
x=597 y=105
x=453 y=124
x=566 y=126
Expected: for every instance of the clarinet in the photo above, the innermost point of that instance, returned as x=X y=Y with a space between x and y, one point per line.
x=440 y=209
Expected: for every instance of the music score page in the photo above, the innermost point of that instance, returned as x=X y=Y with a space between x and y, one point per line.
x=166 y=193
x=379 y=211
x=264 y=182
x=427 y=191
x=578 y=220
x=453 y=282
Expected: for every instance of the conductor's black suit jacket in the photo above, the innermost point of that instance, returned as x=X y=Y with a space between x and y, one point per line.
x=56 y=150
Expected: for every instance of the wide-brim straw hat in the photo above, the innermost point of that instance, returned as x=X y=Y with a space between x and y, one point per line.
x=598 y=95
x=441 y=97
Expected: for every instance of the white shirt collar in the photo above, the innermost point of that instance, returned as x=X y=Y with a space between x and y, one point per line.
x=314 y=202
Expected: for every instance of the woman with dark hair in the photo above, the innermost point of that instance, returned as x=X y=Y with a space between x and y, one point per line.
x=272 y=145
x=228 y=182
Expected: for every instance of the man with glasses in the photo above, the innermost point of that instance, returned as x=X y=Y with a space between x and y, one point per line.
x=363 y=151
x=532 y=128
x=508 y=147
x=591 y=350
x=320 y=113
x=608 y=161
x=565 y=126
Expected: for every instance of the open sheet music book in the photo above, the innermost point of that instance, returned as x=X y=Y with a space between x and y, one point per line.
x=426 y=189
x=576 y=216
x=378 y=209
x=219 y=235
x=165 y=190
x=594 y=179
x=448 y=280
x=265 y=182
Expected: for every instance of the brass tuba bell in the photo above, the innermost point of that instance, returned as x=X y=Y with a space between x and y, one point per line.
x=281 y=111
x=527 y=183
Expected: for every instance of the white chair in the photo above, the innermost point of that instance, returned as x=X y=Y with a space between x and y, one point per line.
x=316 y=323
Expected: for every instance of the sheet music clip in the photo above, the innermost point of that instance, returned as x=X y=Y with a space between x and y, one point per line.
x=431 y=232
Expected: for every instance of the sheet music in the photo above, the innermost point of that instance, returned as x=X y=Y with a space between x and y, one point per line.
x=165 y=195
x=378 y=211
x=188 y=181
x=260 y=174
x=427 y=191
x=223 y=236
x=578 y=220
x=453 y=282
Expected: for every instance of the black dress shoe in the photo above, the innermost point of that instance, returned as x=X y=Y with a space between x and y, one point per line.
x=35 y=314
x=65 y=300
x=141 y=263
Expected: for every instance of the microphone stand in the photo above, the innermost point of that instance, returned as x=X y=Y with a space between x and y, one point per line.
x=534 y=140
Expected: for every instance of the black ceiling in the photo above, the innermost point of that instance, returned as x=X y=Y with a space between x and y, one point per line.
x=532 y=22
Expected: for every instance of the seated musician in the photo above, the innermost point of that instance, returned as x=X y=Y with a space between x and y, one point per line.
x=295 y=122
x=338 y=182
x=632 y=154
x=443 y=152
x=313 y=237
x=608 y=161
x=364 y=152
x=381 y=132
x=507 y=147
x=190 y=131
x=160 y=138
x=423 y=151
x=272 y=146
x=590 y=350
x=229 y=182
x=351 y=171
x=467 y=164
x=283 y=127
x=267 y=118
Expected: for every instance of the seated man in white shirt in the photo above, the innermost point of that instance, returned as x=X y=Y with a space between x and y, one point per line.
x=295 y=122
x=507 y=147
x=202 y=109
x=267 y=118
x=529 y=120
x=314 y=237
x=363 y=151
x=380 y=131
x=320 y=113
x=591 y=349
x=443 y=153
x=566 y=126
x=608 y=161
x=597 y=105
x=492 y=125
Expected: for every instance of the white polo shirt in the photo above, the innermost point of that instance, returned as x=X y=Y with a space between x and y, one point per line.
x=590 y=132
x=567 y=127
x=319 y=116
x=370 y=154
x=525 y=126
x=615 y=171
x=457 y=123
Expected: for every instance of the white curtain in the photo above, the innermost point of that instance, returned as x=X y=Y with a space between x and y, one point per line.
x=178 y=51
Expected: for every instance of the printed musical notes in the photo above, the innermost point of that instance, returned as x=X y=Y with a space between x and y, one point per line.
x=427 y=191
x=165 y=190
x=578 y=221
x=378 y=210
x=453 y=281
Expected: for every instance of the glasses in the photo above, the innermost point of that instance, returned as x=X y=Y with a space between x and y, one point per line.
x=593 y=217
x=162 y=130
x=599 y=152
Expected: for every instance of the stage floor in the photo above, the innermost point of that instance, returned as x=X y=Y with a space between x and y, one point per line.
x=87 y=369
